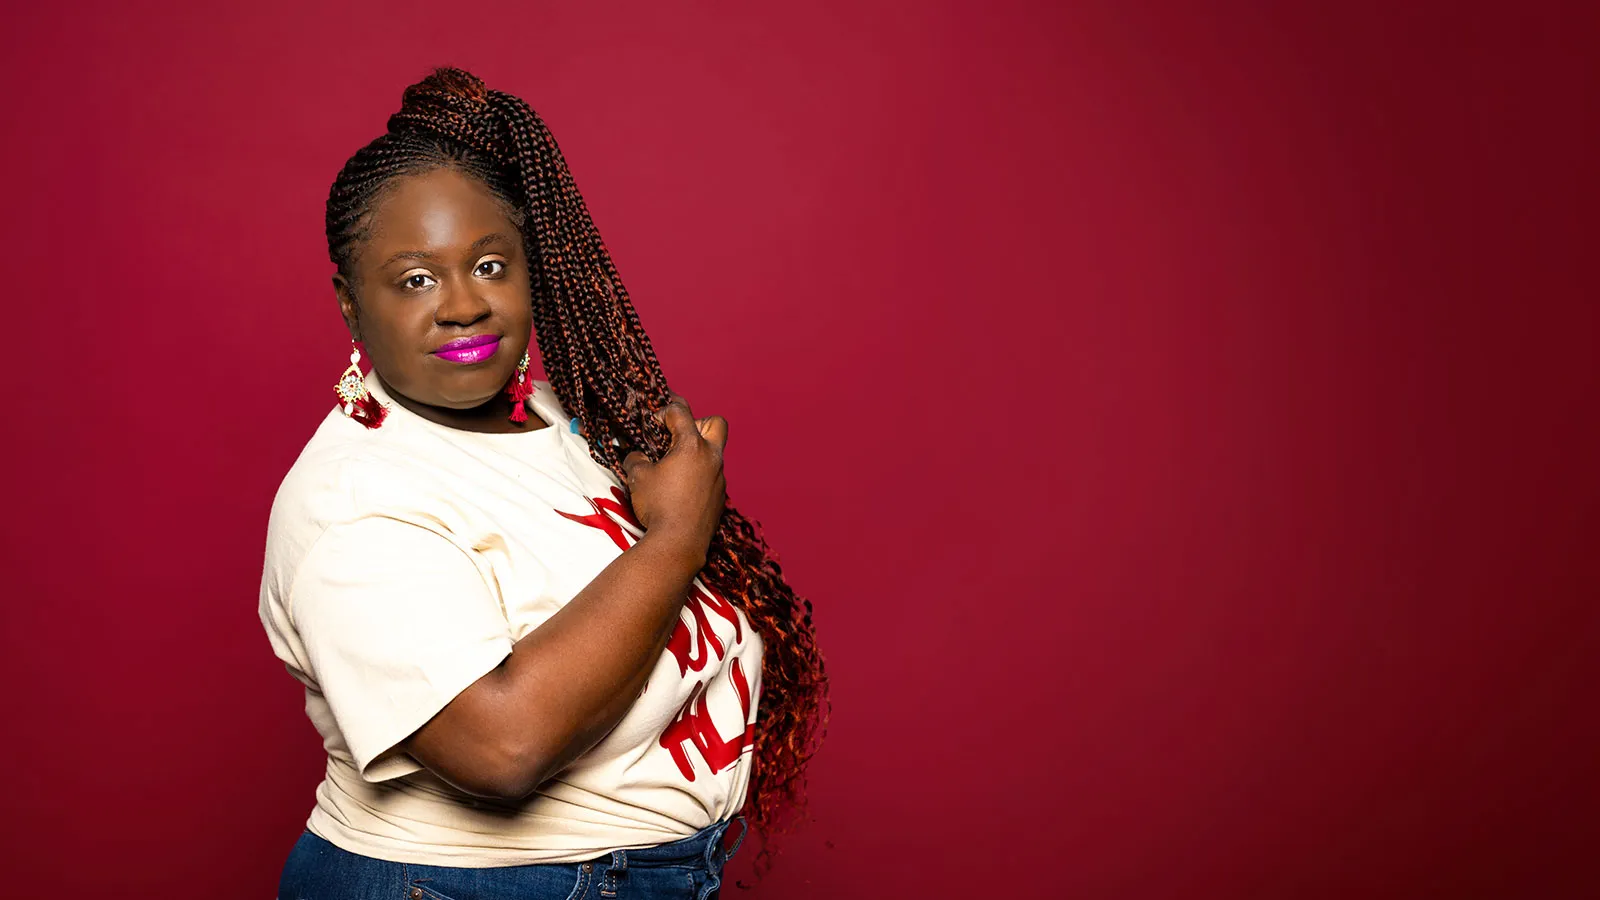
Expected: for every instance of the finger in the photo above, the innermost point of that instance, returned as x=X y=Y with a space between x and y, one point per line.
x=680 y=422
x=714 y=429
x=673 y=397
x=632 y=461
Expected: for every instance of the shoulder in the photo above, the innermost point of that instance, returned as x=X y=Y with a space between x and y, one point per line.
x=344 y=472
x=343 y=460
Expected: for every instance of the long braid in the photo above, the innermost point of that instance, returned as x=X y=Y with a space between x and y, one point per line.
x=602 y=366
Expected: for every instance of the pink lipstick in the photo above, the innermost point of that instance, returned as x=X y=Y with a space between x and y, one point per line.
x=469 y=350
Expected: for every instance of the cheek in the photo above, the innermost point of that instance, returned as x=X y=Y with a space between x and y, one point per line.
x=393 y=331
x=516 y=304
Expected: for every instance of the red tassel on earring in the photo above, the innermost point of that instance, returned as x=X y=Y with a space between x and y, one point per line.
x=520 y=388
x=369 y=412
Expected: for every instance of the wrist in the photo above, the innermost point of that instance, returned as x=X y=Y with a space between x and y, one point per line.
x=682 y=548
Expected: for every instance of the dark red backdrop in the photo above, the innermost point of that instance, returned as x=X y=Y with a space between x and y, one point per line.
x=1184 y=421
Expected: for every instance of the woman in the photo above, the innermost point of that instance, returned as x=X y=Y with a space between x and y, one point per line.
x=545 y=657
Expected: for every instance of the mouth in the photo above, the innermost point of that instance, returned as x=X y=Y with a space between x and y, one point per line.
x=469 y=350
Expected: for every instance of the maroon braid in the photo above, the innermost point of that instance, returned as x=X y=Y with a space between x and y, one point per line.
x=602 y=367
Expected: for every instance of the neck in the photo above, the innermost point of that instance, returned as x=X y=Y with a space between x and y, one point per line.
x=493 y=416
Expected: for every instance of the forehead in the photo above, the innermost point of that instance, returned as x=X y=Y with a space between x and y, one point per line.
x=436 y=210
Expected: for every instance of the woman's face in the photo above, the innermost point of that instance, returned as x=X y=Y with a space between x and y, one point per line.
x=440 y=297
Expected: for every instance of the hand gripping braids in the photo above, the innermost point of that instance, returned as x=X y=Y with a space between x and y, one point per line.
x=601 y=365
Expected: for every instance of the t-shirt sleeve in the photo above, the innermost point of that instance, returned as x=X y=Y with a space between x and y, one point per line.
x=396 y=620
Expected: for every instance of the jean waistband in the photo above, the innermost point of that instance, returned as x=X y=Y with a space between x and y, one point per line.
x=702 y=847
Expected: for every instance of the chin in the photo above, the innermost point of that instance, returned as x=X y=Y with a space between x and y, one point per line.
x=465 y=391
x=465 y=401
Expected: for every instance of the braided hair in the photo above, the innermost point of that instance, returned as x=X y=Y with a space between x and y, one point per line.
x=602 y=367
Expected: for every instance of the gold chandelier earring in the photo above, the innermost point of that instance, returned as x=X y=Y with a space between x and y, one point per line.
x=355 y=400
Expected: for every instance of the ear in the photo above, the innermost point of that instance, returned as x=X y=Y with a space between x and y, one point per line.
x=347 y=306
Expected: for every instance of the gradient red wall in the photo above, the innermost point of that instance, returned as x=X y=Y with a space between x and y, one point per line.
x=1183 y=418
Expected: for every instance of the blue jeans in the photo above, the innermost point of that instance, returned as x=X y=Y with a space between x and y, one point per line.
x=686 y=869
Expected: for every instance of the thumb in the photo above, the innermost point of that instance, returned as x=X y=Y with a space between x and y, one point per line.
x=632 y=462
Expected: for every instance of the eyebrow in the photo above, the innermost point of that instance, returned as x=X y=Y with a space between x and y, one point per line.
x=477 y=245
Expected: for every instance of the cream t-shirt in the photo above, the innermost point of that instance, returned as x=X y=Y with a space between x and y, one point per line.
x=403 y=562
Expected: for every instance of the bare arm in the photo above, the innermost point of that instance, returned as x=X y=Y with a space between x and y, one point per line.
x=569 y=681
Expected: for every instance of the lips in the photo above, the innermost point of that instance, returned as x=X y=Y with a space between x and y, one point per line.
x=469 y=350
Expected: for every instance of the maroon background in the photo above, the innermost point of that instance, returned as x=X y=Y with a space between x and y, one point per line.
x=1184 y=421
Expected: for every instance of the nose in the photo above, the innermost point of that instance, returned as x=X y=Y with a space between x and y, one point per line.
x=460 y=305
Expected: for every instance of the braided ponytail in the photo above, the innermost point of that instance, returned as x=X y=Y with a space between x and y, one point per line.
x=601 y=365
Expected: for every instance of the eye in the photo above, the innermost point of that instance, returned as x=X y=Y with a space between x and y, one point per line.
x=490 y=262
x=411 y=282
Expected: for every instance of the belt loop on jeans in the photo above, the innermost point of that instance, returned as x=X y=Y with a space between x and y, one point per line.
x=715 y=854
x=744 y=827
x=618 y=867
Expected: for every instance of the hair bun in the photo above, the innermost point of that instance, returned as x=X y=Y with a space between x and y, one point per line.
x=451 y=81
x=453 y=102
